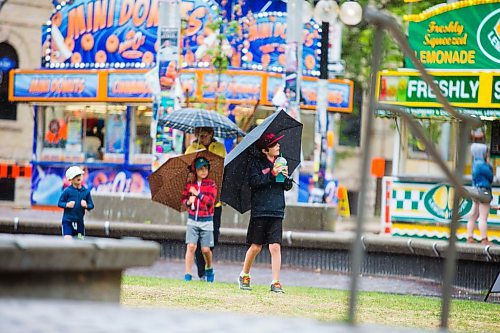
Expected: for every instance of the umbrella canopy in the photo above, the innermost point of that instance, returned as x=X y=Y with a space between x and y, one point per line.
x=235 y=188
x=169 y=180
x=188 y=119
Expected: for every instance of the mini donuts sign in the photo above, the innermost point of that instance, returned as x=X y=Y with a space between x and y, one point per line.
x=122 y=34
x=101 y=33
x=261 y=43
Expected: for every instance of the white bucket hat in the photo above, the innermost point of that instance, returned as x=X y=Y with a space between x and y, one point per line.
x=73 y=171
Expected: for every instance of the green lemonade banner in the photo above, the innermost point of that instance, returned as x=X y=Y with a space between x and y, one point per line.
x=473 y=93
x=462 y=35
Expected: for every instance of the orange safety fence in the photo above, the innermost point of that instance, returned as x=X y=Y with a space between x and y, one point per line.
x=15 y=171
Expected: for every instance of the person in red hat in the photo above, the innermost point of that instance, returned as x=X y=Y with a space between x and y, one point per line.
x=267 y=209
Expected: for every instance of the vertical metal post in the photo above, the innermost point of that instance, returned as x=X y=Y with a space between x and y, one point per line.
x=366 y=129
x=128 y=122
x=451 y=254
x=323 y=60
x=35 y=134
x=383 y=21
x=321 y=121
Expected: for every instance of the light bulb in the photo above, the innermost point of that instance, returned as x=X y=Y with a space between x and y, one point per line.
x=351 y=13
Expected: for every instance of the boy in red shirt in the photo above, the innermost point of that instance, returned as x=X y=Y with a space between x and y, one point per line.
x=199 y=197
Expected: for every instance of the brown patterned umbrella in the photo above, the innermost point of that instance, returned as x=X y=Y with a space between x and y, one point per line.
x=169 y=180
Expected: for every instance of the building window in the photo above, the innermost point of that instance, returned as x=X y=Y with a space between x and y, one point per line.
x=8 y=61
x=141 y=145
x=82 y=133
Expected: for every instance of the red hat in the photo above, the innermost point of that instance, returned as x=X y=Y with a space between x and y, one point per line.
x=267 y=140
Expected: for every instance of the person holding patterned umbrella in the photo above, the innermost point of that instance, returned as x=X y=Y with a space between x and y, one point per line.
x=205 y=124
x=205 y=140
x=199 y=196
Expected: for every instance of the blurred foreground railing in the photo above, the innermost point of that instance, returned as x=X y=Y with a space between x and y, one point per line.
x=384 y=22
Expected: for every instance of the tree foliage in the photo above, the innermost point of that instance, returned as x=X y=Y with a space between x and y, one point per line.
x=357 y=47
x=357 y=43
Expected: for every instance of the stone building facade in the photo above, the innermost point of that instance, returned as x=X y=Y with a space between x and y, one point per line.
x=20 y=31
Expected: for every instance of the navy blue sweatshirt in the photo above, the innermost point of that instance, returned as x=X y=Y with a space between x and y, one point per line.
x=268 y=198
x=76 y=213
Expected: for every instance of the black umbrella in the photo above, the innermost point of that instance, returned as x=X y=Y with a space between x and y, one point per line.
x=235 y=188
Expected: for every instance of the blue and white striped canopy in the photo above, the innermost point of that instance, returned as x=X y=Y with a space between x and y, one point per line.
x=188 y=119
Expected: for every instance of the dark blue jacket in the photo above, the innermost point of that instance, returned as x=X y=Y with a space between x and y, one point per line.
x=76 y=213
x=268 y=198
x=482 y=173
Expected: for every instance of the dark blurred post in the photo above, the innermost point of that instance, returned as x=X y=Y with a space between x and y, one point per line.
x=321 y=123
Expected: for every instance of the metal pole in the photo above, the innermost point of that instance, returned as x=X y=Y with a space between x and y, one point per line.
x=383 y=21
x=128 y=116
x=451 y=254
x=357 y=250
x=321 y=117
x=2 y=3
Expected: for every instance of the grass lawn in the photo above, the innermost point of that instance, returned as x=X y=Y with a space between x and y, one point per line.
x=316 y=303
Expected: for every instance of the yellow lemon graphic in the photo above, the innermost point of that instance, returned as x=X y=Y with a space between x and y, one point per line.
x=440 y=197
x=438 y=201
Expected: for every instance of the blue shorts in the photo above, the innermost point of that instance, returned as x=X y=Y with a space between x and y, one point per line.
x=73 y=228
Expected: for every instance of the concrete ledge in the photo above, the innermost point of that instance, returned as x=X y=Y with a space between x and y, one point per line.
x=388 y=244
x=142 y=210
x=52 y=267
x=477 y=265
x=319 y=240
x=296 y=239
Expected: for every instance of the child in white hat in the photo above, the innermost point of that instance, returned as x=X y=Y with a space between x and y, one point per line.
x=75 y=199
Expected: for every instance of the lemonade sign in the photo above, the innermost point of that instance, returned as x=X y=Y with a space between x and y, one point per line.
x=457 y=36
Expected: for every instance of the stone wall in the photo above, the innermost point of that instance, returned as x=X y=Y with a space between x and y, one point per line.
x=143 y=210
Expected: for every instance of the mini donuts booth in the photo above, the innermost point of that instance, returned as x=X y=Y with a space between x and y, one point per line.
x=94 y=99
